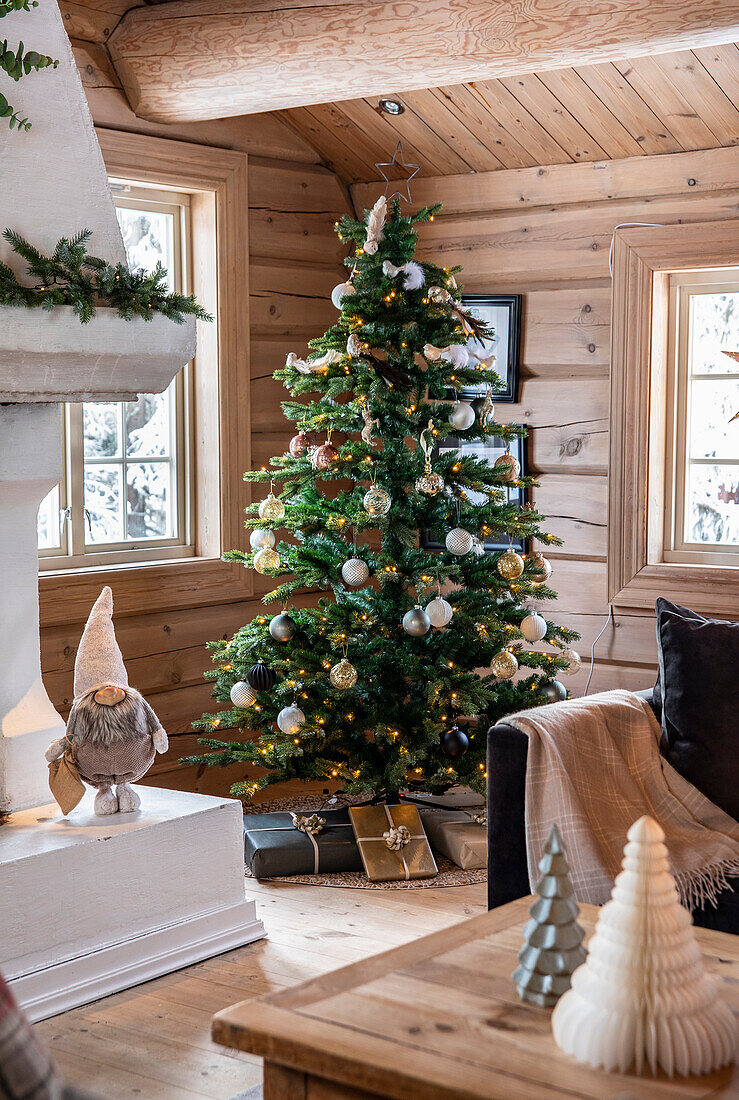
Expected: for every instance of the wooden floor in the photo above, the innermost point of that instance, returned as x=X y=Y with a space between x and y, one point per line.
x=153 y=1042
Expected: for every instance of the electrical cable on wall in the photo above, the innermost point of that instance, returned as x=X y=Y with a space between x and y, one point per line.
x=629 y=225
x=592 y=648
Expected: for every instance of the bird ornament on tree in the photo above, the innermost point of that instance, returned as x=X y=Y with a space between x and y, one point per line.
x=112 y=733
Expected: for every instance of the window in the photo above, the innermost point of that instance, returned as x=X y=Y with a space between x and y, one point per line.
x=702 y=483
x=126 y=492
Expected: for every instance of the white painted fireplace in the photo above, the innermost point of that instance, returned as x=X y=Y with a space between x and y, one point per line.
x=89 y=905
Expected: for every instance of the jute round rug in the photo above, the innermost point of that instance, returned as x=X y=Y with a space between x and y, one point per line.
x=449 y=874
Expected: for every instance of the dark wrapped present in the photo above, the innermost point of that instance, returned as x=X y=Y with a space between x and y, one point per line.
x=308 y=843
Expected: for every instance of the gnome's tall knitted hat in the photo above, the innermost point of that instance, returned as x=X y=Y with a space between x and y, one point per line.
x=99 y=660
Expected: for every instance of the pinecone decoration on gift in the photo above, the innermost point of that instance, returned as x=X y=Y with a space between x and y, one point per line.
x=553 y=939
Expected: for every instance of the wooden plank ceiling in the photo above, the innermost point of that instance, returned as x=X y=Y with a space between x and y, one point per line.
x=661 y=104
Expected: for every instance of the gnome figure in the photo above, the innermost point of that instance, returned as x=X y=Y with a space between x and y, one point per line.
x=112 y=733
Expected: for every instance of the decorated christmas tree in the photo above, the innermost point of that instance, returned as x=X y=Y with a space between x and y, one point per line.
x=373 y=688
x=552 y=947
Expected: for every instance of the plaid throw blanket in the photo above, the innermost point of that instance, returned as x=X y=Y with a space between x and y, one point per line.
x=594 y=767
x=26 y=1070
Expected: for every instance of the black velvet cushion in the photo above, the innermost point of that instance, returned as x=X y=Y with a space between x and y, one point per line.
x=698 y=663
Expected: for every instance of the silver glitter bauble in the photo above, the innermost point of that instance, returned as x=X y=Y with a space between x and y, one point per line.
x=343 y=290
x=430 y=483
x=574 y=662
x=507 y=467
x=343 y=675
x=416 y=622
x=355 y=572
x=439 y=612
x=541 y=571
x=462 y=416
x=243 y=694
x=377 y=501
x=259 y=538
x=290 y=719
x=510 y=565
x=459 y=541
x=283 y=628
x=553 y=692
x=534 y=627
x=271 y=509
x=266 y=559
x=504 y=665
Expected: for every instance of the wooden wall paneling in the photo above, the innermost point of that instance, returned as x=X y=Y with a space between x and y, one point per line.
x=649 y=79
x=525 y=133
x=568 y=327
x=94 y=20
x=648 y=130
x=707 y=98
x=582 y=103
x=722 y=62
x=471 y=105
x=628 y=639
x=563 y=127
x=576 y=507
x=435 y=111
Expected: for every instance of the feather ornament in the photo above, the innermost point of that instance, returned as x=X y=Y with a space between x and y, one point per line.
x=376 y=225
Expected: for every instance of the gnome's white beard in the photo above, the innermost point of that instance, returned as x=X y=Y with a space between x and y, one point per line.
x=94 y=721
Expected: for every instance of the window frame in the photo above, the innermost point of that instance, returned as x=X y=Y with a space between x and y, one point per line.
x=217 y=182
x=74 y=551
x=638 y=573
x=681 y=287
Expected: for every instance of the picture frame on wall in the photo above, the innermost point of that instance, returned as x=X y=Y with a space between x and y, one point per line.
x=503 y=313
x=490 y=449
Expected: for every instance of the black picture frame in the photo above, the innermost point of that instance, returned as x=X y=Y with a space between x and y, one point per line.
x=503 y=313
x=491 y=449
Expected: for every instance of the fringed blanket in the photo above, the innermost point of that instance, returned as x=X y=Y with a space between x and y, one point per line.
x=594 y=767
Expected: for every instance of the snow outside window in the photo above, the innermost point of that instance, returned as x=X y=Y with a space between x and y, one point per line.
x=126 y=491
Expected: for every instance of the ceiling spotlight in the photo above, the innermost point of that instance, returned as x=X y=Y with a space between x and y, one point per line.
x=391 y=107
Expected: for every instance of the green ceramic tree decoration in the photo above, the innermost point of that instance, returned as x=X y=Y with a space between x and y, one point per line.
x=553 y=946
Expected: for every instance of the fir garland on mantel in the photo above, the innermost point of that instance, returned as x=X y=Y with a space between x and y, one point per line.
x=71 y=277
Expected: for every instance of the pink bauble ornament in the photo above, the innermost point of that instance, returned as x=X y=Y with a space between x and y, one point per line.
x=325 y=457
x=299 y=444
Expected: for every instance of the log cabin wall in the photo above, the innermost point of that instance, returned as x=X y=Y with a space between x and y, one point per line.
x=295 y=260
x=545 y=232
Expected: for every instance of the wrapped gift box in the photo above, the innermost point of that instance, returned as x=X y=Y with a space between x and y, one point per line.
x=274 y=845
x=392 y=842
x=457 y=836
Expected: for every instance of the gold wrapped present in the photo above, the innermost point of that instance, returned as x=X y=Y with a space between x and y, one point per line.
x=392 y=842
x=459 y=835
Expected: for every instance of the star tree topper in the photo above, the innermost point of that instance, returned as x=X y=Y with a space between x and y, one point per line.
x=398 y=159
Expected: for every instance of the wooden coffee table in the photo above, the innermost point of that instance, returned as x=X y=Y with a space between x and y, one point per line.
x=439 y=1019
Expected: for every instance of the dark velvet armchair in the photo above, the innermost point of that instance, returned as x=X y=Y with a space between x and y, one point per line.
x=507 y=867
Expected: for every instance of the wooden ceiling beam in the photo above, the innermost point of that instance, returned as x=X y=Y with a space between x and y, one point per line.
x=196 y=59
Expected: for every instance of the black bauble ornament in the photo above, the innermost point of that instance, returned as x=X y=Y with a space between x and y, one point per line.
x=260 y=677
x=553 y=692
x=454 y=742
x=283 y=628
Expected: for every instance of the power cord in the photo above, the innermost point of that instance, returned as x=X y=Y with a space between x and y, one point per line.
x=629 y=225
x=610 y=619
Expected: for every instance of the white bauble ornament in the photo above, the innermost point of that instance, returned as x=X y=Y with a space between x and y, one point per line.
x=259 y=538
x=266 y=559
x=461 y=416
x=343 y=290
x=290 y=719
x=243 y=694
x=534 y=627
x=574 y=661
x=377 y=501
x=271 y=509
x=459 y=541
x=504 y=665
x=642 y=997
x=416 y=622
x=439 y=612
x=355 y=572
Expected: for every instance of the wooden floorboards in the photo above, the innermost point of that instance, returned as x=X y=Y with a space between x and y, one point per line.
x=153 y=1042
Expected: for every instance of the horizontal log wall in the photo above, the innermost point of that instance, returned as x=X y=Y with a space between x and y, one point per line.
x=546 y=233
x=295 y=260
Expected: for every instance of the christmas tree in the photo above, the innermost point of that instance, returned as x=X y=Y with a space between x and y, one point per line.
x=553 y=939
x=371 y=688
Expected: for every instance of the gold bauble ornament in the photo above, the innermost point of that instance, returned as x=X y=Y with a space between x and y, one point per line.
x=266 y=559
x=430 y=483
x=504 y=665
x=377 y=501
x=541 y=571
x=510 y=565
x=343 y=675
x=271 y=509
x=507 y=467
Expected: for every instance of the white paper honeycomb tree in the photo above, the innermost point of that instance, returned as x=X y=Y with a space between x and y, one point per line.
x=642 y=998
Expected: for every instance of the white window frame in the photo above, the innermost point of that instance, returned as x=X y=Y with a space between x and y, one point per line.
x=73 y=552
x=682 y=286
